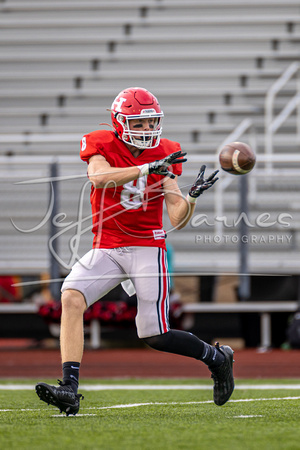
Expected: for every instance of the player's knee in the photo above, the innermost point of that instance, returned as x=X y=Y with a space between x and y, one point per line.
x=73 y=301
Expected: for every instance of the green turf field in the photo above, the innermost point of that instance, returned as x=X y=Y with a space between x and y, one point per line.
x=176 y=414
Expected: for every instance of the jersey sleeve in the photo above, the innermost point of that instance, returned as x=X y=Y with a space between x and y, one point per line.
x=171 y=147
x=89 y=146
x=177 y=168
x=94 y=144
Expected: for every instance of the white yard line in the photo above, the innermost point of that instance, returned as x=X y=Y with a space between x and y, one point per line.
x=77 y=415
x=156 y=387
x=135 y=405
x=247 y=417
x=183 y=387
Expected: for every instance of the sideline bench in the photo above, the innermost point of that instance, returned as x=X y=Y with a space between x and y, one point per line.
x=30 y=308
x=18 y=308
x=265 y=309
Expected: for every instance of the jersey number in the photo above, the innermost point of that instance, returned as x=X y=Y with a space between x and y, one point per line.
x=133 y=193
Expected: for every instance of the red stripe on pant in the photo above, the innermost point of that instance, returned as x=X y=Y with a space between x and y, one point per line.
x=164 y=293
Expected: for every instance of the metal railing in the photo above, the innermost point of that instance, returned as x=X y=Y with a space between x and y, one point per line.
x=272 y=123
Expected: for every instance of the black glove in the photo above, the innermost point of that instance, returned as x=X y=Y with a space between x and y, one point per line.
x=160 y=167
x=201 y=184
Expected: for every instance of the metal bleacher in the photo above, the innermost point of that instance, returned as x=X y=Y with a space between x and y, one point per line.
x=210 y=63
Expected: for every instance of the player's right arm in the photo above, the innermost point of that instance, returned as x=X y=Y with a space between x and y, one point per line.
x=102 y=174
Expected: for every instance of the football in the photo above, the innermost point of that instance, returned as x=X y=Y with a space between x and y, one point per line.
x=237 y=158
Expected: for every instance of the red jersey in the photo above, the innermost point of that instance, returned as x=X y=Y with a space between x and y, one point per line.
x=128 y=215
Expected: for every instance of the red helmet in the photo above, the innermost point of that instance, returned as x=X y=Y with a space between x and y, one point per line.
x=136 y=103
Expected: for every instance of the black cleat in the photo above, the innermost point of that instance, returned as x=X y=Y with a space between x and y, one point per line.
x=223 y=376
x=63 y=397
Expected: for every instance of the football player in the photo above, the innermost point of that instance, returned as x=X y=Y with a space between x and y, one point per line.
x=132 y=171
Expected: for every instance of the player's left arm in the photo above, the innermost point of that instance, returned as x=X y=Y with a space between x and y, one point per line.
x=180 y=210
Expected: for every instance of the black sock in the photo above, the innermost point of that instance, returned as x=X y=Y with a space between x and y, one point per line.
x=71 y=374
x=212 y=357
x=186 y=344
